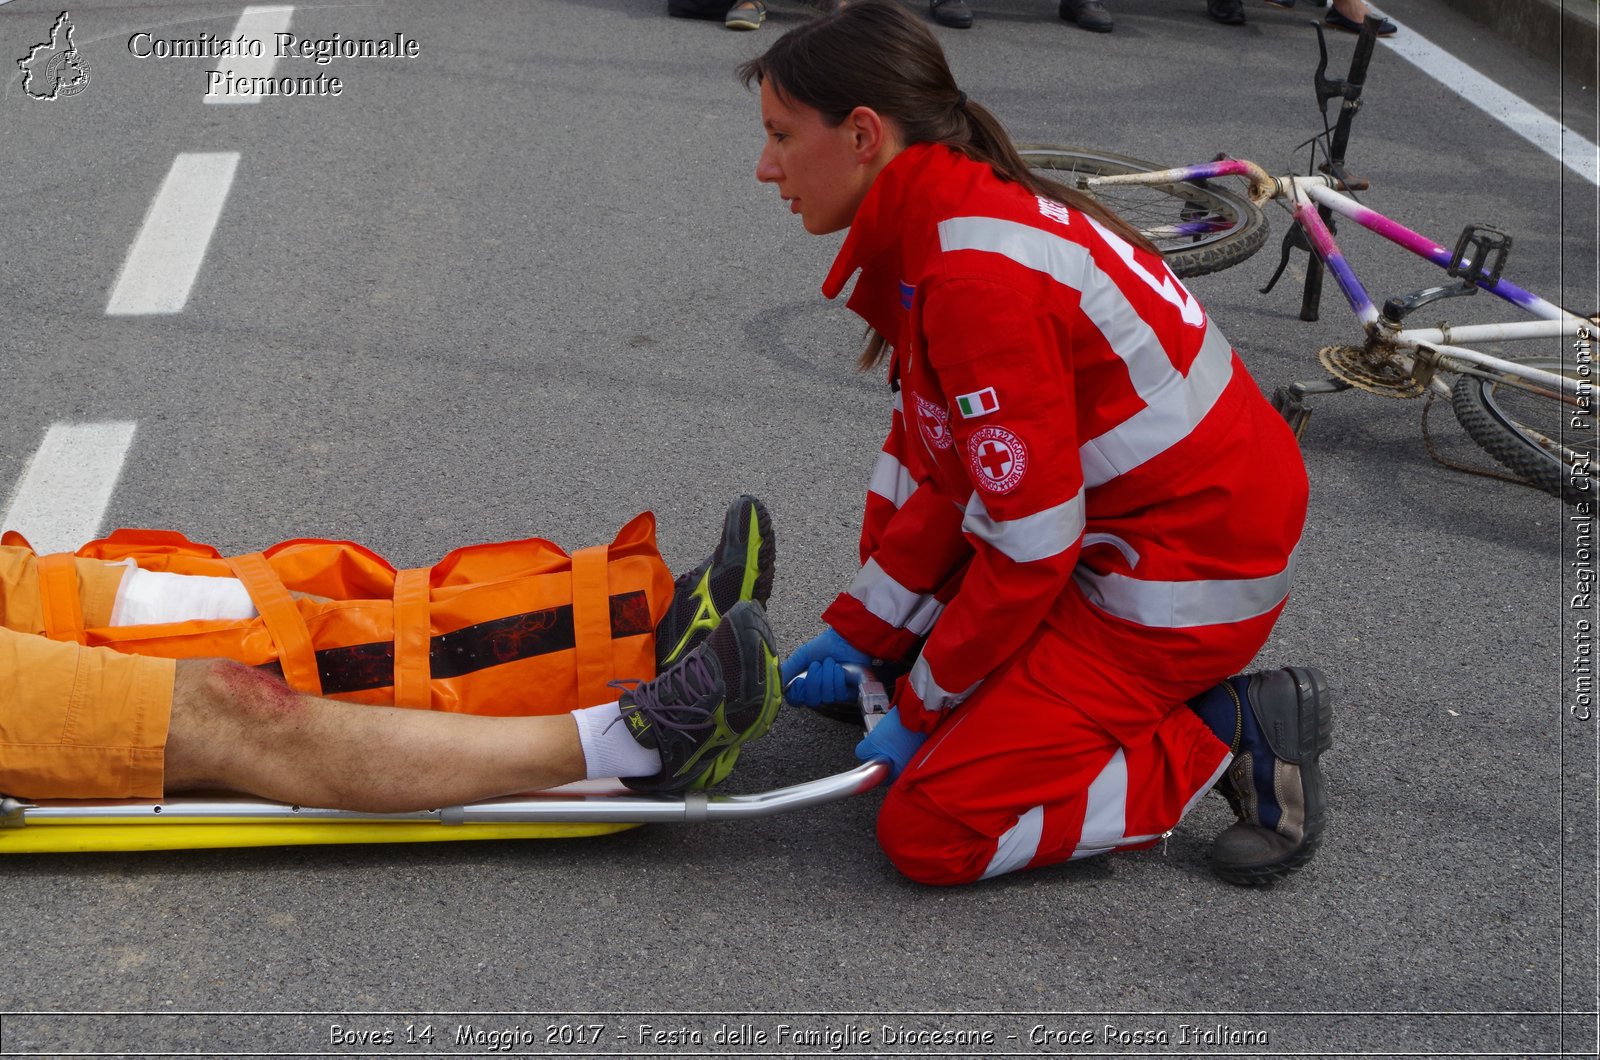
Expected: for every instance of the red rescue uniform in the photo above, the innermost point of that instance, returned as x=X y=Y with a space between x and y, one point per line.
x=1085 y=513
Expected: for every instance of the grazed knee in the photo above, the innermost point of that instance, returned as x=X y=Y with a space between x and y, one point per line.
x=222 y=710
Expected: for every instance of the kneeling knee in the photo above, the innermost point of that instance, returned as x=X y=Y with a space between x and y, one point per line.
x=928 y=845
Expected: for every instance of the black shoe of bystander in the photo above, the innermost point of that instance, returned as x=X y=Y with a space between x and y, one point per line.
x=1088 y=14
x=953 y=13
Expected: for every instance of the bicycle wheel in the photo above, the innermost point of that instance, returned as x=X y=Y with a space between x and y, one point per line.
x=1198 y=226
x=1530 y=434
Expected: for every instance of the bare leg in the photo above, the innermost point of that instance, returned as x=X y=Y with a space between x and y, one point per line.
x=1354 y=10
x=236 y=728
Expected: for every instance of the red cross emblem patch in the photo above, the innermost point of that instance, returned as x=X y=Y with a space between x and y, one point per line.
x=998 y=459
x=935 y=423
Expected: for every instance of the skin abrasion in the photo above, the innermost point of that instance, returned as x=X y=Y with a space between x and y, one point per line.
x=257 y=687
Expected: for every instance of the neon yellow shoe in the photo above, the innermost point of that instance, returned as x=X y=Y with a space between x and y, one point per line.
x=739 y=569
x=700 y=710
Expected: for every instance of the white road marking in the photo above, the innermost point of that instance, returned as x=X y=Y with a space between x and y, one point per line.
x=64 y=492
x=165 y=256
x=1509 y=109
x=258 y=23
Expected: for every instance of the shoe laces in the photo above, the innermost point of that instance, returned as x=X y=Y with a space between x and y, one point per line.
x=673 y=699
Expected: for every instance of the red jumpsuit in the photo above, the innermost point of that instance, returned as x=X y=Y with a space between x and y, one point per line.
x=1085 y=513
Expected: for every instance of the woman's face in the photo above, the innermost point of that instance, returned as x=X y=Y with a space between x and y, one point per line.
x=823 y=172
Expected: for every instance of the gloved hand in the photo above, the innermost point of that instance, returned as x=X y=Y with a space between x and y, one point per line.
x=819 y=666
x=891 y=740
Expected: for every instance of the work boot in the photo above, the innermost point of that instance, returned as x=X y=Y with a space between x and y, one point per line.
x=699 y=711
x=1277 y=723
x=1228 y=12
x=1088 y=14
x=739 y=569
x=953 y=13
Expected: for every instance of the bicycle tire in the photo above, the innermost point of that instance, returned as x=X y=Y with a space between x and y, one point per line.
x=1239 y=231
x=1500 y=418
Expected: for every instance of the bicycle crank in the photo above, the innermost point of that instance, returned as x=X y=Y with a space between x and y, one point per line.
x=1370 y=371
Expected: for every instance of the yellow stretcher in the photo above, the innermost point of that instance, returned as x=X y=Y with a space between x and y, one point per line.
x=584 y=809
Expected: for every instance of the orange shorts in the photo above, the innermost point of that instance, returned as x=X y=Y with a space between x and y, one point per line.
x=81 y=723
x=75 y=722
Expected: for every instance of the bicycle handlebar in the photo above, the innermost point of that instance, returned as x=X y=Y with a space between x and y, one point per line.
x=1263 y=185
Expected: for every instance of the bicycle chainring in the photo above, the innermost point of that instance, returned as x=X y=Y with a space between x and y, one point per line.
x=1370 y=371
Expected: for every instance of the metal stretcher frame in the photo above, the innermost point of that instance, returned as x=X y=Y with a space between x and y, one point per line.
x=584 y=809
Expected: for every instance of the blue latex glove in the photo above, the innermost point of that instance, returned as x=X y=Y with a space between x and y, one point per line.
x=891 y=740
x=819 y=666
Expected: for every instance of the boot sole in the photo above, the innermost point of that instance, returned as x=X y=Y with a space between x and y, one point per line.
x=757 y=560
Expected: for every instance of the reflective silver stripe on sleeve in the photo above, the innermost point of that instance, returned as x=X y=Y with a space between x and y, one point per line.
x=1174 y=402
x=1178 y=605
x=1171 y=411
x=1018 y=845
x=1033 y=537
x=891 y=481
x=933 y=697
x=893 y=602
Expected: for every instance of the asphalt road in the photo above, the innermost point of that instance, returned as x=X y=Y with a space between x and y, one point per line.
x=525 y=284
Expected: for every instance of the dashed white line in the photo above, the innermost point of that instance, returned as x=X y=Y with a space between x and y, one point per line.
x=257 y=23
x=1509 y=109
x=62 y=496
x=165 y=256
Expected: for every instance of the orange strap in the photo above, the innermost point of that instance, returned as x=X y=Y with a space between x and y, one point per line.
x=283 y=620
x=412 y=636
x=591 y=625
x=59 y=603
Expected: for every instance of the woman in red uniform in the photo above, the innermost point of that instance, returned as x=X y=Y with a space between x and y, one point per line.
x=1085 y=514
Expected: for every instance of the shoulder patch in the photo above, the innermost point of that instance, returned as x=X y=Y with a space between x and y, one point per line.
x=978 y=403
x=934 y=421
x=998 y=459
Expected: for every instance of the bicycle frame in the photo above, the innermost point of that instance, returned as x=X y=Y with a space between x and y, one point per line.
x=1306 y=193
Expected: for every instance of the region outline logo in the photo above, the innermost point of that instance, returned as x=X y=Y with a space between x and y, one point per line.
x=54 y=68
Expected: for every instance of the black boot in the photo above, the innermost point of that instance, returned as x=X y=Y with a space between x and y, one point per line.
x=1277 y=723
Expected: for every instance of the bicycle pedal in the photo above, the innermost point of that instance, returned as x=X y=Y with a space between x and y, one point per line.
x=1294 y=412
x=1480 y=253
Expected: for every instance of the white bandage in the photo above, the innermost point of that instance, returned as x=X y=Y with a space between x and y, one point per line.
x=148 y=597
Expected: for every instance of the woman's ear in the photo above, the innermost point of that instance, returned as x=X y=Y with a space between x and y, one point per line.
x=873 y=138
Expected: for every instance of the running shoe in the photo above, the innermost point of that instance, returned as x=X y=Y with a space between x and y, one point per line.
x=746 y=14
x=699 y=711
x=739 y=569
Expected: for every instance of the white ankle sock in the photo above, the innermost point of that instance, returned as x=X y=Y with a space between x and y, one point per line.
x=147 y=597
x=609 y=749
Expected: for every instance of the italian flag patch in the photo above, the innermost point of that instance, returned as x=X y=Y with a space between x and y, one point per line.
x=978 y=403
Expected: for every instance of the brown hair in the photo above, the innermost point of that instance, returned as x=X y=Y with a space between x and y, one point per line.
x=872 y=53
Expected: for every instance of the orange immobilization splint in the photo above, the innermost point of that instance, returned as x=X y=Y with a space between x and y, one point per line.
x=517 y=627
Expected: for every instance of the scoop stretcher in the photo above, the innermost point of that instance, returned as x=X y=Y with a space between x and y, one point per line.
x=586 y=808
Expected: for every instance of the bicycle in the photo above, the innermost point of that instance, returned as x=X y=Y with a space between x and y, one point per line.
x=1535 y=415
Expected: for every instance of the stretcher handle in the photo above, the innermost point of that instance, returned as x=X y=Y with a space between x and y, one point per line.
x=871 y=696
x=555 y=806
